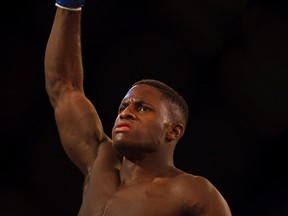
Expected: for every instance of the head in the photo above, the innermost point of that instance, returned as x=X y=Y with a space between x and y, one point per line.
x=152 y=116
x=178 y=104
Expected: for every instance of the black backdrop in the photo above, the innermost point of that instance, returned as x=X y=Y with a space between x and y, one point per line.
x=227 y=58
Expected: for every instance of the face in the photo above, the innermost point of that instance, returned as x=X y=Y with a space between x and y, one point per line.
x=142 y=121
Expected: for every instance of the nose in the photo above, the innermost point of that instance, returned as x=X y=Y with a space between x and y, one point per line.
x=127 y=113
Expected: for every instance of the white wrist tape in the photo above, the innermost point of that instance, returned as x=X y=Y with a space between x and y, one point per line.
x=67 y=8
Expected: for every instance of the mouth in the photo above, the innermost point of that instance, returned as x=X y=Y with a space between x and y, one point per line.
x=122 y=127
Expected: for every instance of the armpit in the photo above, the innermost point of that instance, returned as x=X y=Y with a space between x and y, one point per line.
x=87 y=178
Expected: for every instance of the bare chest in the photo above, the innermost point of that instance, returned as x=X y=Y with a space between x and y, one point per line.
x=144 y=200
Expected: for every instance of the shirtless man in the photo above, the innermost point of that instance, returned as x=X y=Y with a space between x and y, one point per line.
x=132 y=173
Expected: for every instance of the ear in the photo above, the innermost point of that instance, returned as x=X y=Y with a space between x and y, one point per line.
x=174 y=132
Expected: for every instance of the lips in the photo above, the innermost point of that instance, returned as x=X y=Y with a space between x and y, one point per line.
x=122 y=127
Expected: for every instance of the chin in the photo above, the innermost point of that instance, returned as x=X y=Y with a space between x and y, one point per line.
x=132 y=150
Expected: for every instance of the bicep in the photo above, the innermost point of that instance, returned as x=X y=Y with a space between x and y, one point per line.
x=80 y=128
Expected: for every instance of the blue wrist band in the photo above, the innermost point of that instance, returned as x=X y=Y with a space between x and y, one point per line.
x=70 y=3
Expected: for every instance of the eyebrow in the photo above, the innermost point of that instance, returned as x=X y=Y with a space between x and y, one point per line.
x=135 y=101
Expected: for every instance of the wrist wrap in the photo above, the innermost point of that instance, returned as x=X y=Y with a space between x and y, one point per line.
x=70 y=4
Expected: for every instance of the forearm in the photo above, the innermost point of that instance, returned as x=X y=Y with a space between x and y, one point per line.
x=63 y=57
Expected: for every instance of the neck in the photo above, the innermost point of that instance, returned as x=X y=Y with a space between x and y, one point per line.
x=144 y=171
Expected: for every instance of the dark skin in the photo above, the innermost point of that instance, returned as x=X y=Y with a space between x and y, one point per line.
x=131 y=173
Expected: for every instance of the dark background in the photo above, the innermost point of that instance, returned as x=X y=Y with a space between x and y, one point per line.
x=227 y=58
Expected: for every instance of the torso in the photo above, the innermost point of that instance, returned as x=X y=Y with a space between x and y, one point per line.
x=157 y=198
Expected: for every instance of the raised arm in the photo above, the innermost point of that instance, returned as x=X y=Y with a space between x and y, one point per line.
x=79 y=126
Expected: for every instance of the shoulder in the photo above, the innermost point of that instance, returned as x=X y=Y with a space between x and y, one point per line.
x=199 y=195
x=192 y=184
x=107 y=158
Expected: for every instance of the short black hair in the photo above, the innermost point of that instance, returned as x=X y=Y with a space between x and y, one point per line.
x=170 y=94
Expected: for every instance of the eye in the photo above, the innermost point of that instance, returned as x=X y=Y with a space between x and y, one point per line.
x=121 y=108
x=143 y=109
